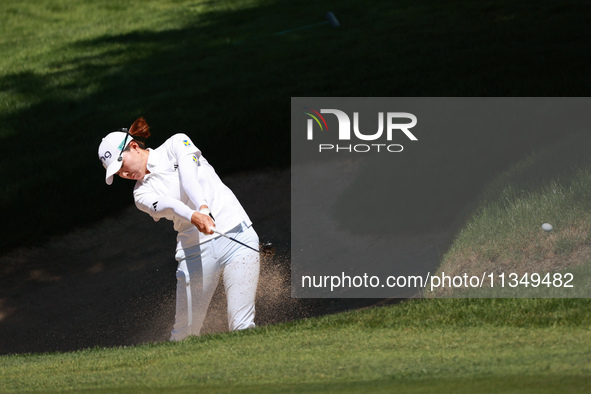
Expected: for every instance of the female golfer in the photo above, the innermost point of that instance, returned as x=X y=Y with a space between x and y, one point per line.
x=175 y=181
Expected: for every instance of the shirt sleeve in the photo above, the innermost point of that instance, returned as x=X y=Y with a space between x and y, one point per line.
x=161 y=206
x=187 y=156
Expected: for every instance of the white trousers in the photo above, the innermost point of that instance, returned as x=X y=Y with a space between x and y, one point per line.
x=198 y=273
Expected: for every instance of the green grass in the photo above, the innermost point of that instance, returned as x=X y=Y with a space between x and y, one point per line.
x=504 y=234
x=417 y=346
x=72 y=70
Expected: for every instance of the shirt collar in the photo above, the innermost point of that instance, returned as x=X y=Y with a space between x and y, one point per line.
x=153 y=159
x=153 y=163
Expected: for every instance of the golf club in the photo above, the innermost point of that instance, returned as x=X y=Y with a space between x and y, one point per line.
x=266 y=249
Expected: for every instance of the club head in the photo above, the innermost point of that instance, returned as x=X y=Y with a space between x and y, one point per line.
x=267 y=249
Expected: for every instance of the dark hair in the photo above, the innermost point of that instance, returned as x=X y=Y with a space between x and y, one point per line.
x=140 y=131
x=140 y=128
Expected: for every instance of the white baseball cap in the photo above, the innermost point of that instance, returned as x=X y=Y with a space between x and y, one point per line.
x=110 y=152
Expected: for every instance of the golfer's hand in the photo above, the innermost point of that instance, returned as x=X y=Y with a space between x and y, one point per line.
x=204 y=223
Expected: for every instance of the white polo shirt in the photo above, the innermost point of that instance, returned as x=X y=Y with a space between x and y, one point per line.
x=161 y=195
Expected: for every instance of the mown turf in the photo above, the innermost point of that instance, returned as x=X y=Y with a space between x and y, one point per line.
x=418 y=346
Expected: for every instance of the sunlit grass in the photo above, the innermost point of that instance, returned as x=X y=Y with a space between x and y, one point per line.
x=425 y=345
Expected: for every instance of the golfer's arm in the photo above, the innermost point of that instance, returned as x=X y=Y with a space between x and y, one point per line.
x=190 y=182
x=161 y=206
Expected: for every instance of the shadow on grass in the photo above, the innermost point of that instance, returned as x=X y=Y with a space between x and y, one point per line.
x=464 y=144
x=233 y=98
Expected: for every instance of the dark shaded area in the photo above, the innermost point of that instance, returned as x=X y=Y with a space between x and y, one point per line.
x=233 y=98
x=463 y=145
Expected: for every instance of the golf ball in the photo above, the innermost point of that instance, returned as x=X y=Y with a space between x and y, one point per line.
x=547 y=227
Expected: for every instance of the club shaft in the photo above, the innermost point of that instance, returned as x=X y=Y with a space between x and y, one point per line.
x=235 y=240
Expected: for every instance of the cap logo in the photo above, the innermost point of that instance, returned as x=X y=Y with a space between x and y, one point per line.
x=186 y=142
x=106 y=156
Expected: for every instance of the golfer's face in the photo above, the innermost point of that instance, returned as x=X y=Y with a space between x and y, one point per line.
x=133 y=166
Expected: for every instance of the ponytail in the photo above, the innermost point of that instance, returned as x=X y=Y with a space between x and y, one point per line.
x=140 y=128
